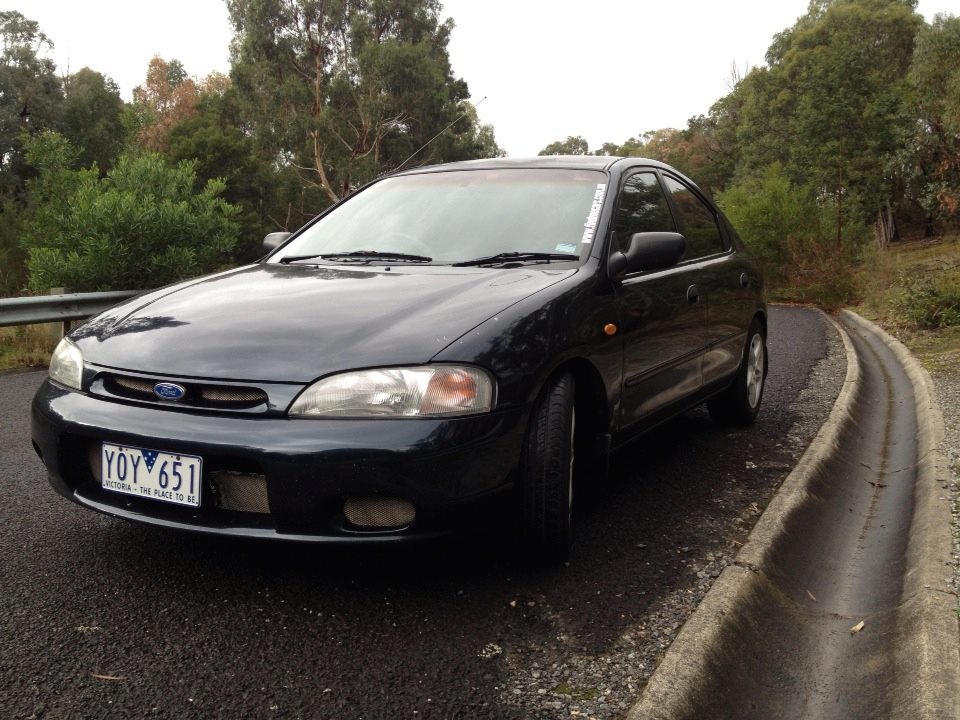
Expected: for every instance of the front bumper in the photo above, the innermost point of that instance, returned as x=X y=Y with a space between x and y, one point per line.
x=445 y=468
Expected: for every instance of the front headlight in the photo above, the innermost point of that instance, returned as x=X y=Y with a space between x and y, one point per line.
x=426 y=391
x=66 y=365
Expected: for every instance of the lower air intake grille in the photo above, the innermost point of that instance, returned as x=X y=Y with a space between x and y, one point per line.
x=242 y=492
x=379 y=513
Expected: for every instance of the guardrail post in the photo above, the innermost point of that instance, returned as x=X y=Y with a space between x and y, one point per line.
x=55 y=330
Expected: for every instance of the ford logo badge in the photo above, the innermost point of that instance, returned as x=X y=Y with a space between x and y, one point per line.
x=169 y=391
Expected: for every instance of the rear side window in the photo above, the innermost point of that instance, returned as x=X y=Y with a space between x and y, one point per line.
x=698 y=219
x=641 y=207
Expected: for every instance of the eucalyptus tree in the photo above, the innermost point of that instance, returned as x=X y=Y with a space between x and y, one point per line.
x=344 y=90
x=932 y=157
x=831 y=105
x=31 y=93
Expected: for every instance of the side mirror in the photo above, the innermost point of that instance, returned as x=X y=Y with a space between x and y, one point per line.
x=649 y=251
x=274 y=240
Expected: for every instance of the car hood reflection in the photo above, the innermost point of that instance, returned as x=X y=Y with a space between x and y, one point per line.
x=294 y=323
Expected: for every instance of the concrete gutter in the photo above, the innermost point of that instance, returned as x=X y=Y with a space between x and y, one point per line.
x=859 y=530
x=927 y=642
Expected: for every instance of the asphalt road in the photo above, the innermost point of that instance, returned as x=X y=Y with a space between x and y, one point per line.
x=102 y=618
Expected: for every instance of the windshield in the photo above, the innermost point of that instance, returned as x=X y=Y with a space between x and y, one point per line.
x=457 y=216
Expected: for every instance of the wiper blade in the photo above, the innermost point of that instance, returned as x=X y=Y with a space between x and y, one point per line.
x=358 y=255
x=517 y=257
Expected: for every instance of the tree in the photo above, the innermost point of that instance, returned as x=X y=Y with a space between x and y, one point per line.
x=831 y=105
x=344 y=90
x=790 y=229
x=607 y=148
x=167 y=97
x=467 y=138
x=690 y=151
x=932 y=159
x=30 y=91
x=93 y=118
x=143 y=225
x=573 y=145
x=212 y=140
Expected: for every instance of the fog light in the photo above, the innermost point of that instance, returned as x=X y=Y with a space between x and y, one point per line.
x=373 y=512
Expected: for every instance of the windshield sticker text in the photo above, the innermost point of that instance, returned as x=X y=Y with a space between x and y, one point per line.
x=590 y=226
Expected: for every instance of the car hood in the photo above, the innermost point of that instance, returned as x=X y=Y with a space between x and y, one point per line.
x=290 y=323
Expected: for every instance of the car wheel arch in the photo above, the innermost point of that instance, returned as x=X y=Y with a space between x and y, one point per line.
x=594 y=418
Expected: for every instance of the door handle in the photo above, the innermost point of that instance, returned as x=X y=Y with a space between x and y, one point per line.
x=744 y=280
x=693 y=294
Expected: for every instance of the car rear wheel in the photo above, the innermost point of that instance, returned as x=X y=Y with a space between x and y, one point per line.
x=546 y=483
x=739 y=404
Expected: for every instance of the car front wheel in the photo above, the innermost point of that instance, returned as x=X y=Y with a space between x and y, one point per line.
x=739 y=404
x=546 y=483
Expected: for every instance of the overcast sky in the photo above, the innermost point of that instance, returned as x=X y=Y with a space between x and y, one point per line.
x=610 y=70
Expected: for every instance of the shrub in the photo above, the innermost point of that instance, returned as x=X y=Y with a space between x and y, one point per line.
x=928 y=301
x=143 y=225
x=793 y=234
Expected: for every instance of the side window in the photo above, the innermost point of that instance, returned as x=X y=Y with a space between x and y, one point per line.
x=641 y=207
x=698 y=220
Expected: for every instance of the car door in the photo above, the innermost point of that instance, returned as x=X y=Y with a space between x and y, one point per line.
x=720 y=280
x=661 y=316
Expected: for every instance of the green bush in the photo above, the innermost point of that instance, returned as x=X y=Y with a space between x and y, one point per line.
x=143 y=225
x=928 y=301
x=793 y=233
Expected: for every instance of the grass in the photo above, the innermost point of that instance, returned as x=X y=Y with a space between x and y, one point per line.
x=912 y=290
x=25 y=346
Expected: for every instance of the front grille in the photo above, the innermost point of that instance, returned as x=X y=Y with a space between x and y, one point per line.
x=197 y=394
x=134 y=385
x=232 y=395
x=379 y=513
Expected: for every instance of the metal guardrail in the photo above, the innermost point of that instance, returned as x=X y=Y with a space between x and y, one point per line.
x=58 y=308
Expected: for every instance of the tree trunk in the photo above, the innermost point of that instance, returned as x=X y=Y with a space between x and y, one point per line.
x=884 y=229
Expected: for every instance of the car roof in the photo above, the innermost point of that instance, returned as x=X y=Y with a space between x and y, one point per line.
x=573 y=162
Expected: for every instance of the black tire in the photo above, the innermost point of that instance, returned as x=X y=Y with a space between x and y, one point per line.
x=738 y=405
x=546 y=481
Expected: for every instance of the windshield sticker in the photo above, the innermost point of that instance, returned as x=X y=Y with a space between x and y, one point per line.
x=566 y=248
x=590 y=226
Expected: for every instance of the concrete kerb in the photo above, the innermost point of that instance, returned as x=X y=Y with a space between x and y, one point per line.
x=925 y=646
x=670 y=691
x=929 y=643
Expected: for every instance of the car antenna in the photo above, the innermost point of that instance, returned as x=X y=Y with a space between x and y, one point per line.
x=456 y=120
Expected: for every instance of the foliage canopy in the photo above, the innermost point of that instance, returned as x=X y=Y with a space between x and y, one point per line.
x=144 y=224
x=345 y=90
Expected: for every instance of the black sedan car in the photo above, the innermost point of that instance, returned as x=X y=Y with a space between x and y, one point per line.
x=438 y=338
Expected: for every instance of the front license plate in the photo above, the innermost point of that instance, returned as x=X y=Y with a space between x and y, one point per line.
x=150 y=473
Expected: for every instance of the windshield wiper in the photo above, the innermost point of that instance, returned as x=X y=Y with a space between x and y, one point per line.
x=358 y=255
x=516 y=257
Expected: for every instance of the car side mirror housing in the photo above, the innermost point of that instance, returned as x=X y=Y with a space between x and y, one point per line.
x=648 y=251
x=274 y=240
